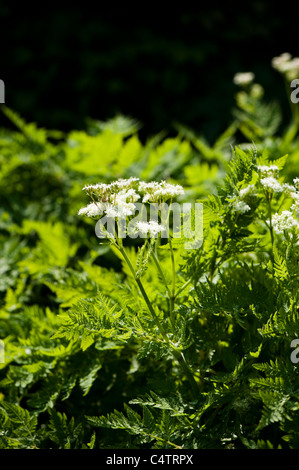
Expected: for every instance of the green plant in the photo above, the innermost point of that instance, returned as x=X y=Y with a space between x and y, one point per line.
x=114 y=340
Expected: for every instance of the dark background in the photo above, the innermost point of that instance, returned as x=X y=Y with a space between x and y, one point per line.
x=65 y=64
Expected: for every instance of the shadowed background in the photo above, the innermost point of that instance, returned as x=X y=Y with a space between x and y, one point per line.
x=63 y=65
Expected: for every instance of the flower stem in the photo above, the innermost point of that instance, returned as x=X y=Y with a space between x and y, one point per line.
x=160 y=270
x=172 y=297
x=144 y=294
x=183 y=287
x=178 y=355
x=270 y=218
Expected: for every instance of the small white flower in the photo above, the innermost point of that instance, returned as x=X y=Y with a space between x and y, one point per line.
x=111 y=211
x=295 y=207
x=272 y=184
x=157 y=192
x=171 y=190
x=291 y=191
x=92 y=210
x=146 y=197
x=121 y=209
x=83 y=211
x=295 y=196
x=124 y=183
x=241 y=207
x=248 y=191
x=99 y=188
x=122 y=203
x=271 y=170
x=152 y=227
x=125 y=195
x=291 y=69
x=287 y=65
x=243 y=78
x=115 y=199
x=143 y=186
x=296 y=182
x=283 y=221
x=279 y=62
x=103 y=190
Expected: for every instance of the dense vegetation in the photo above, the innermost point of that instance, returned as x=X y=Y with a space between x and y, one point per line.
x=147 y=345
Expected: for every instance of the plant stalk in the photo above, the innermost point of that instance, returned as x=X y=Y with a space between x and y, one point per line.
x=178 y=355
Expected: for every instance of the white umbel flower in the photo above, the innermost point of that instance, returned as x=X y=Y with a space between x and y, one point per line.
x=295 y=207
x=124 y=183
x=115 y=199
x=241 y=207
x=124 y=195
x=289 y=189
x=244 y=78
x=143 y=186
x=283 y=221
x=271 y=170
x=287 y=65
x=100 y=188
x=104 y=190
x=248 y=191
x=272 y=184
x=158 y=192
x=121 y=210
x=279 y=62
x=122 y=203
x=92 y=210
x=152 y=227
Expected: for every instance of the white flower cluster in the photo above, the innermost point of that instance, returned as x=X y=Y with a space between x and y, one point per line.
x=158 y=192
x=283 y=221
x=152 y=227
x=244 y=78
x=92 y=210
x=120 y=206
x=290 y=190
x=295 y=207
x=248 y=191
x=271 y=184
x=295 y=196
x=286 y=65
x=103 y=189
x=240 y=206
x=268 y=178
x=117 y=198
x=271 y=170
x=287 y=219
x=296 y=182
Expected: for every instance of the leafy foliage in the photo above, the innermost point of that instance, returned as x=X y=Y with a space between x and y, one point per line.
x=153 y=346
